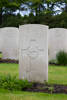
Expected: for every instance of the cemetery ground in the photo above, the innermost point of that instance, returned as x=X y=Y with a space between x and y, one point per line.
x=57 y=75
x=17 y=95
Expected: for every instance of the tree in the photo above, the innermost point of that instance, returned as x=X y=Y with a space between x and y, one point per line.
x=8 y=6
x=2 y=5
x=36 y=6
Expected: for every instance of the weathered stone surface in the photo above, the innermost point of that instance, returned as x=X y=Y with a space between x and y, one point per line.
x=57 y=41
x=33 y=52
x=9 y=42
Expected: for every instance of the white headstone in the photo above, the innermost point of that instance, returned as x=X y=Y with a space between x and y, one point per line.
x=9 y=42
x=57 y=41
x=33 y=53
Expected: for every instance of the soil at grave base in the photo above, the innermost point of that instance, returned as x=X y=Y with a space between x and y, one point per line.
x=56 y=64
x=36 y=87
x=8 y=61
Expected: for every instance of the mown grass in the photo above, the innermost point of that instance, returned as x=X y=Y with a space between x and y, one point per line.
x=56 y=74
x=12 y=69
x=16 y=95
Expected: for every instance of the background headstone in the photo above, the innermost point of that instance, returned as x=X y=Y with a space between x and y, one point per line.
x=9 y=42
x=33 y=52
x=57 y=41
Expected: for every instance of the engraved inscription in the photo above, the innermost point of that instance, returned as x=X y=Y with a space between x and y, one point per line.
x=33 y=49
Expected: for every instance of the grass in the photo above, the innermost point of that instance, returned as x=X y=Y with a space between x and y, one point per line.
x=11 y=69
x=57 y=74
x=17 y=95
x=1 y=55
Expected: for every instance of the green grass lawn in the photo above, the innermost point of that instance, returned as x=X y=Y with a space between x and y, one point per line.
x=12 y=69
x=17 y=95
x=57 y=75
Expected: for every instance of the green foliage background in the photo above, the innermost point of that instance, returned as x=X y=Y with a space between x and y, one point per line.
x=41 y=12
